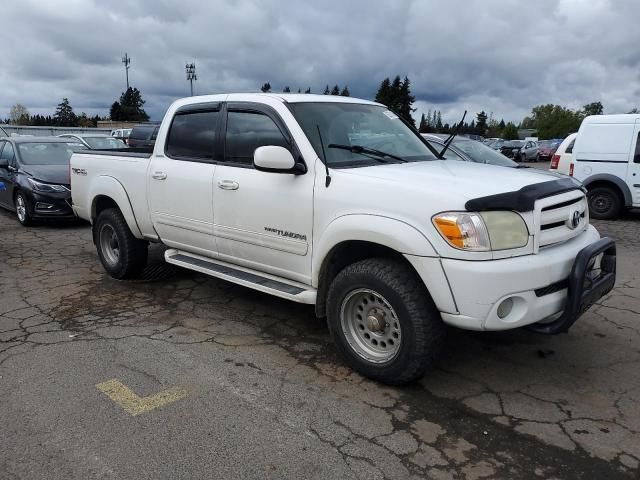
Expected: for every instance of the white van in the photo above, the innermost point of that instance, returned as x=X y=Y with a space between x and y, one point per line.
x=607 y=162
x=563 y=158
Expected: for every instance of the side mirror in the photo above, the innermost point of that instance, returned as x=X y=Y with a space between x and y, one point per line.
x=275 y=159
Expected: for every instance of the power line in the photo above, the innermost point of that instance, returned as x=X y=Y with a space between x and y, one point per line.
x=127 y=62
x=191 y=74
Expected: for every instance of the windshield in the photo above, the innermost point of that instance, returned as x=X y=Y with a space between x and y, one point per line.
x=513 y=143
x=104 y=143
x=479 y=152
x=47 y=153
x=368 y=126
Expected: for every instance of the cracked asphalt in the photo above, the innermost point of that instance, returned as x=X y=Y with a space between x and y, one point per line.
x=267 y=396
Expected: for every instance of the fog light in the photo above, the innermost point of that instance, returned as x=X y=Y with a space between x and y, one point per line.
x=504 y=309
x=43 y=206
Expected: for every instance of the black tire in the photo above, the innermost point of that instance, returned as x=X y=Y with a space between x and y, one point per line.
x=24 y=212
x=131 y=257
x=604 y=203
x=422 y=329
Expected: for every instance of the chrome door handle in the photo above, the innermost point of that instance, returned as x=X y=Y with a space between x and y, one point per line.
x=159 y=175
x=228 y=185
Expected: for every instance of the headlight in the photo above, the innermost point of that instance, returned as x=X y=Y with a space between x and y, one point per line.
x=46 y=187
x=482 y=232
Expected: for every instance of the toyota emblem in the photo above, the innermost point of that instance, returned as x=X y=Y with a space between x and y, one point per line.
x=574 y=220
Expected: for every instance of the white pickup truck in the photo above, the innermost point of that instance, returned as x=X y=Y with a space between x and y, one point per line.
x=339 y=203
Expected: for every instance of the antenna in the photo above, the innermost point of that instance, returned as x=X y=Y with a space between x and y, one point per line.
x=191 y=74
x=127 y=62
x=327 y=181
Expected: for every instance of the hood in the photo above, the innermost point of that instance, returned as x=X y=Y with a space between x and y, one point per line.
x=464 y=179
x=48 y=173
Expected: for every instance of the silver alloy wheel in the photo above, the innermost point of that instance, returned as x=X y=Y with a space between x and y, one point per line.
x=370 y=326
x=21 y=208
x=109 y=245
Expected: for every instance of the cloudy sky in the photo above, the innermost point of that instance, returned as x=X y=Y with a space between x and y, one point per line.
x=503 y=56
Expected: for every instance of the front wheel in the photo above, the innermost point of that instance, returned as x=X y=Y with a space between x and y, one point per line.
x=23 y=209
x=383 y=321
x=122 y=255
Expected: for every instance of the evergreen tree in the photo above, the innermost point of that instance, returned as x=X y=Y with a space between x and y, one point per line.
x=345 y=92
x=406 y=101
x=335 y=90
x=308 y=90
x=286 y=89
x=430 y=121
x=129 y=108
x=439 y=126
x=481 y=124
x=501 y=125
x=397 y=96
x=299 y=91
x=510 y=132
x=64 y=116
x=326 y=90
x=423 y=128
x=265 y=88
x=384 y=95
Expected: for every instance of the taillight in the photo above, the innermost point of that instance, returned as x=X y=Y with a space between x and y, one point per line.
x=555 y=160
x=571 y=170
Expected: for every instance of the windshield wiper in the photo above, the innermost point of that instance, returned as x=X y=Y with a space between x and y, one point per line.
x=449 y=139
x=367 y=151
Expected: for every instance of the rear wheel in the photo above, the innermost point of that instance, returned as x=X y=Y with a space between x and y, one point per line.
x=122 y=255
x=383 y=321
x=23 y=209
x=604 y=203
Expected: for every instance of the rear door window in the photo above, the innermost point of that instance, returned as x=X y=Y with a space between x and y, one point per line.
x=636 y=158
x=193 y=135
x=570 y=147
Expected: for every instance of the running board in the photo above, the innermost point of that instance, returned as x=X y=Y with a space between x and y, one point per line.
x=263 y=282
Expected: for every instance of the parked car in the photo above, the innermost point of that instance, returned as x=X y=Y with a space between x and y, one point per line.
x=563 y=158
x=467 y=150
x=143 y=137
x=520 y=150
x=339 y=203
x=122 y=134
x=546 y=149
x=34 y=177
x=607 y=161
x=96 y=142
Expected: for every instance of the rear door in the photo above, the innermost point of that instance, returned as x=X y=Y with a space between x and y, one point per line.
x=633 y=178
x=262 y=220
x=180 y=180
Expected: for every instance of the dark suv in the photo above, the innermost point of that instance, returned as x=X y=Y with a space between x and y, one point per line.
x=143 y=137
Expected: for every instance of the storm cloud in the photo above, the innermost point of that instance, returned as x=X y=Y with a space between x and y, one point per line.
x=502 y=56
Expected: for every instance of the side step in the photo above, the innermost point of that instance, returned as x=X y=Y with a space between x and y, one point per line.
x=263 y=282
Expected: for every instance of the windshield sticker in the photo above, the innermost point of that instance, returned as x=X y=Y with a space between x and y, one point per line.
x=390 y=114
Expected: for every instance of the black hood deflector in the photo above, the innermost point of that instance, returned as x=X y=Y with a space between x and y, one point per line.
x=523 y=200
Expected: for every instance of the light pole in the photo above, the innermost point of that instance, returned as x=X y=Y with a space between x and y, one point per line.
x=127 y=61
x=191 y=74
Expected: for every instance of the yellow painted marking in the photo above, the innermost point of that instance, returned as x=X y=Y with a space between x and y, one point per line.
x=135 y=405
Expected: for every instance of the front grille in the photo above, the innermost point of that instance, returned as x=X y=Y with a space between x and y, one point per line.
x=556 y=215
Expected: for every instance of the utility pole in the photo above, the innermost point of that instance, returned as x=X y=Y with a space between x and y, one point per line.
x=127 y=61
x=191 y=74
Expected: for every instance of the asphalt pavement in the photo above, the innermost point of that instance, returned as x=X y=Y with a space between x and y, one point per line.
x=178 y=375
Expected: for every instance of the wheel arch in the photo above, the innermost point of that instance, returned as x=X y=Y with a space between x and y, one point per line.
x=107 y=192
x=608 y=180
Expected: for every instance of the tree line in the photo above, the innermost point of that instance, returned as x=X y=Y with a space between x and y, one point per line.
x=336 y=90
x=127 y=108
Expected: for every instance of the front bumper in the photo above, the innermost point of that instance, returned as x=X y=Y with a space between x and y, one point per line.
x=533 y=282
x=51 y=206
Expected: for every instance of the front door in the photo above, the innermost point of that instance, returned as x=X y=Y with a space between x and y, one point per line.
x=180 y=180
x=7 y=175
x=262 y=220
x=633 y=173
